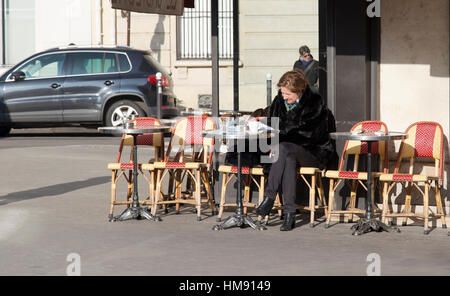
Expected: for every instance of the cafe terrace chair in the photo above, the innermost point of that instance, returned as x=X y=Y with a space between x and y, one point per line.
x=183 y=167
x=355 y=177
x=252 y=175
x=425 y=141
x=124 y=169
x=312 y=177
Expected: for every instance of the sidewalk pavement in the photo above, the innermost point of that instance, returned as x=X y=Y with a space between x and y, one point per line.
x=54 y=203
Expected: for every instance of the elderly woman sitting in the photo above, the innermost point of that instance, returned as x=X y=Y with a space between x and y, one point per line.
x=304 y=141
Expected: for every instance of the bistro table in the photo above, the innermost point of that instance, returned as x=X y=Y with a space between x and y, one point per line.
x=368 y=223
x=135 y=211
x=239 y=134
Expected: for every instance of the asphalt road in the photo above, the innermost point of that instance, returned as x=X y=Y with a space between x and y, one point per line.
x=39 y=137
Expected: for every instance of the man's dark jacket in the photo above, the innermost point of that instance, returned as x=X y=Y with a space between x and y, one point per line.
x=312 y=74
x=308 y=124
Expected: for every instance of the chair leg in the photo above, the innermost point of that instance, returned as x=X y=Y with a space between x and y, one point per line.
x=261 y=193
x=113 y=195
x=312 y=200
x=330 y=203
x=280 y=205
x=425 y=209
x=352 y=201
x=407 y=203
x=209 y=192
x=157 y=192
x=385 y=203
x=178 y=187
x=151 y=188
x=198 y=193
x=246 y=192
x=437 y=194
x=322 y=195
x=130 y=187
x=222 y=195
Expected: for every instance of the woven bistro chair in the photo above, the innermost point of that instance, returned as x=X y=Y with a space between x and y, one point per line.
x=354 y=178
x=252 y=175
x=425 y=141
x=189 y=168
x=124 y=170
x=313 y=179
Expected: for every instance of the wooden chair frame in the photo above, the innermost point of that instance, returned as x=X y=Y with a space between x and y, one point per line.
x=312 y=177
x=355 y=178
x=425 y=140
x=194 y=168
x=251 y=173
x=121 y=169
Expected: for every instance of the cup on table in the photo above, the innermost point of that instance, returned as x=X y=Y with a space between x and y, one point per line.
x=225 y=123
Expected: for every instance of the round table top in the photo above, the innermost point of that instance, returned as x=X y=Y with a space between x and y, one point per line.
x=368 y=136
x=134 y=130
x=237 y=134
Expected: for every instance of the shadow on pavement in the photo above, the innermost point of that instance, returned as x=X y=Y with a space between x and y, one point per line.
x=52 y=190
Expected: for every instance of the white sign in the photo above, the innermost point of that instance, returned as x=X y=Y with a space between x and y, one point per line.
x=173 y=7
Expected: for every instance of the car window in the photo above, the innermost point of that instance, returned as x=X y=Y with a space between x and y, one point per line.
x=86 y=63
x=44 y=66
x=110 y=63
x=94 y=63
x=124 y=63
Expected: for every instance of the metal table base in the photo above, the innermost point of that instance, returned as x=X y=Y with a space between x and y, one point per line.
x=135 y=211
x=369 y=223
x=239 y=219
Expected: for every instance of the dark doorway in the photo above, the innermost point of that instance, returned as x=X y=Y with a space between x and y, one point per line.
x=349 y=47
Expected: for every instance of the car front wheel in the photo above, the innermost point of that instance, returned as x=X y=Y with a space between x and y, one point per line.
x=122 y=111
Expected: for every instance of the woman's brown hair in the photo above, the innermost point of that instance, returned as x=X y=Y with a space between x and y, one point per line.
x=294 y=80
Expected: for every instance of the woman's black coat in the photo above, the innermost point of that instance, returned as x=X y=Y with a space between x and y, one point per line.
x=308 y=124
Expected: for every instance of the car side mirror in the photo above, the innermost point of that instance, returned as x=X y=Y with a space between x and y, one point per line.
x=18 y=75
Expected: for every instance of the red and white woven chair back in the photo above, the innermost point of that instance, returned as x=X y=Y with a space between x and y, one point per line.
x=353 y=147
x=188 y=131
x=425 y=140
x=156 y=140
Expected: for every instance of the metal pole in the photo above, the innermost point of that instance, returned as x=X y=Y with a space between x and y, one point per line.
x=236 y=54
x=3 y=33
x=215 y=81
x=369 y=214
x=215 y=57
x=128 y=27
x=269 y=88
x=158 y=94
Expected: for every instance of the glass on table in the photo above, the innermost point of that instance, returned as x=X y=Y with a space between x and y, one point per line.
x=226 y=123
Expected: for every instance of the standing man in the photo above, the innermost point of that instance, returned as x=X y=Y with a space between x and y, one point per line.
x=309 y=66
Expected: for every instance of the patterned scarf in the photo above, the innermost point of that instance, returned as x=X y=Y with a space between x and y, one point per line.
x=289 y=107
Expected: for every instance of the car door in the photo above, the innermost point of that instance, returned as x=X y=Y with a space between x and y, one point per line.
x=35 y=98
x=92 y=77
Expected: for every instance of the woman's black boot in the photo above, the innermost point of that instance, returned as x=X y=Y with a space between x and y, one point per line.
x=289 y=222
x=265 y=207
